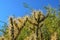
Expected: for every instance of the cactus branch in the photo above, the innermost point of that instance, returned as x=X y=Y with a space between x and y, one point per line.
x=32 y=22
x=16 y=25
x=12 y=29
x=20 y=30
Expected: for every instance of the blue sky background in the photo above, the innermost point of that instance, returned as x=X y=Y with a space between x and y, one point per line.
x=15 y=7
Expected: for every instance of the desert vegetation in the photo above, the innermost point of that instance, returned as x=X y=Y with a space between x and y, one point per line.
x=37 y=26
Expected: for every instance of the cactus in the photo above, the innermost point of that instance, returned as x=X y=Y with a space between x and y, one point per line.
x=15 y=30
x=38 y=19
x=33 y=23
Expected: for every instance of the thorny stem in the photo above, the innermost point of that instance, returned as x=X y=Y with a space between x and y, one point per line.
x=19 y=31
x=12 y=29
x=37 y=25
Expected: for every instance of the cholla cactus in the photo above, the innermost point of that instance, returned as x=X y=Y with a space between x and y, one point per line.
x=12 y=28
x=37 y=21
x=16 y=25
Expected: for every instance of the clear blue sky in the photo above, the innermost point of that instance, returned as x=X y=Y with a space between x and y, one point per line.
x=15 y=7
